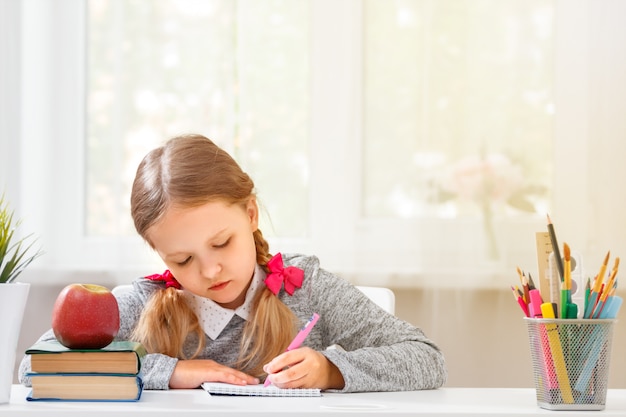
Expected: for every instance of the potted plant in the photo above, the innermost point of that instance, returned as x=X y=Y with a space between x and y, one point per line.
x=15 y=255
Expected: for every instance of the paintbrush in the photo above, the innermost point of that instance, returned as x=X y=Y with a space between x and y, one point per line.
x=597 y=285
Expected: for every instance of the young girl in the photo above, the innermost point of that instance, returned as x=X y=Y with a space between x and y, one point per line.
x=226 y=309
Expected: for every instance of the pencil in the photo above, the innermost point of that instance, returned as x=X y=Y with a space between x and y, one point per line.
x=526 y=290
x=520 y=274
x=612 y=277
x=531 y=283
x=555 y=248
x=600 y=278
x=606 y=291
x=587 y=292
x=597 y=287
x=521 y=302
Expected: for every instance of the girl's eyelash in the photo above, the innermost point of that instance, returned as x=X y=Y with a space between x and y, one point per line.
x=223 y=244
x=185 y=262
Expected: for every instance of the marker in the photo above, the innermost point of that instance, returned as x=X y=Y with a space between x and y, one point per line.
x=557 y=355
x=535 y=304
x=551 y=378
x=297 y=341
x=611 y=309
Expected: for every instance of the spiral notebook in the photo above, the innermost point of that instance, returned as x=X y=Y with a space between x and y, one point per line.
x=220 y=388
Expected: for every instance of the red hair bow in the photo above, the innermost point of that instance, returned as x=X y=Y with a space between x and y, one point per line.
x=166 y=277
x=291 y=276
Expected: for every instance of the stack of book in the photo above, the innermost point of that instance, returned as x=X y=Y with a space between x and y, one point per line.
x=112 y=373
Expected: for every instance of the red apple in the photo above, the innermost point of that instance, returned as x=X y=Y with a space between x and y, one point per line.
x=85 y=316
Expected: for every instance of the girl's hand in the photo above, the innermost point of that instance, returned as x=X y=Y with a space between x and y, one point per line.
x=192 y=373
x=303 y=368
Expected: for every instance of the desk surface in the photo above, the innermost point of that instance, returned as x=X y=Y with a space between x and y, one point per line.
x=442 y=402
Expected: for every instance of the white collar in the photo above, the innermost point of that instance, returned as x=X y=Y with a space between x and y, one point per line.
x=214 y=318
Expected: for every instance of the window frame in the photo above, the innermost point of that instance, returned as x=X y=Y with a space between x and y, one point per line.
x=50 y=152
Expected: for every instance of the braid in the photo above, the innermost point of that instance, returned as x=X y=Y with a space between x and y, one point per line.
x=262 y=249
x=272 y=326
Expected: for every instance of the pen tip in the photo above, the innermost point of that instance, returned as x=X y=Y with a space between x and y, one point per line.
x=566 y=251
x=549 y=220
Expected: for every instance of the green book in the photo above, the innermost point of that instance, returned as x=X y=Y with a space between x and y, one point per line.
x=119 y=357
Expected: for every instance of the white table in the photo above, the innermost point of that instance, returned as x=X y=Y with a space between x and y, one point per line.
x=441 y=403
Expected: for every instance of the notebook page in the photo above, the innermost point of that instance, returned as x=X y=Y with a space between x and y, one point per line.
x=220 y=388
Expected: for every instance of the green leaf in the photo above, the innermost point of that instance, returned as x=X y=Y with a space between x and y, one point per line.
x=15 y=256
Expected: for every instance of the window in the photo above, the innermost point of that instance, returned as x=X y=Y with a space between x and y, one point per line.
x=458 y=111
x=372 y=108
x=452 y=89
x=235 y=71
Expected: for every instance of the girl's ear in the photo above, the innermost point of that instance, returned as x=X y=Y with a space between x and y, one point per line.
x=252 y=209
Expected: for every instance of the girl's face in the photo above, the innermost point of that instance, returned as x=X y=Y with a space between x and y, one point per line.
x=210 y=249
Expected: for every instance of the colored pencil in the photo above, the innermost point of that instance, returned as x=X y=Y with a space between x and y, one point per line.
x=531 y=283
x=597 y=287
x=521 y=302
x=555 y=248
x=606 y=291
x=587 y=293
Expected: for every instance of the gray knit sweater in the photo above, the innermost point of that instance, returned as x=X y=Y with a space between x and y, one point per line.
x=379 y=352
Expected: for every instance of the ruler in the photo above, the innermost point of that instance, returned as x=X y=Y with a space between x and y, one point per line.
x=546 y=268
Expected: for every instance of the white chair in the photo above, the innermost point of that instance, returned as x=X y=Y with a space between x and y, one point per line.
x=121 y=289
x=382 y=296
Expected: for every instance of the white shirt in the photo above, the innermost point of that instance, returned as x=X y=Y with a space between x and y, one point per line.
x=214 y=318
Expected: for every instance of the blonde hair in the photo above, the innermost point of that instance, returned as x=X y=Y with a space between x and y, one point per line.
x=190 y=171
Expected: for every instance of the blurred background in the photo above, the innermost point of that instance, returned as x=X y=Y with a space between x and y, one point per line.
x=412 y=144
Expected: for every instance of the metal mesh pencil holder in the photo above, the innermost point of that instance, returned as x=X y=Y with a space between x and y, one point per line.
x=570 y=362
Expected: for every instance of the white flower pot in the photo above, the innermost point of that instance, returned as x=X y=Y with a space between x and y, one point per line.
x=12 y=303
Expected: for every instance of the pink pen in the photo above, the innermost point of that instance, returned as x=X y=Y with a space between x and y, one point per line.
x=297 y=341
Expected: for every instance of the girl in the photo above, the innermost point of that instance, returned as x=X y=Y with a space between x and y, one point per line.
x=226 y=309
